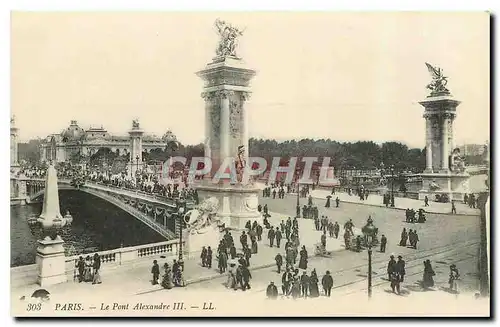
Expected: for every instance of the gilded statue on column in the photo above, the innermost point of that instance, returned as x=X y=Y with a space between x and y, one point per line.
x=439 y=81
x=228 y=39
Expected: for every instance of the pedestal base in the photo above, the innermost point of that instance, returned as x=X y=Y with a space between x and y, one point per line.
x=51 y=262
x=209 y=236
x=454 y=185
x=237 y=204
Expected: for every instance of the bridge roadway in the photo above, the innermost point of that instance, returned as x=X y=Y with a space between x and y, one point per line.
x=153 y=210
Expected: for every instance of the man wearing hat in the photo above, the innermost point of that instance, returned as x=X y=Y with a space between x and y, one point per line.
x=327 y=282
x=272 y=291
x=391 y=267
x=400 y=268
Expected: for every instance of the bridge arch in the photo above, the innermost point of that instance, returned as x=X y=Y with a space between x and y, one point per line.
x=158 y=216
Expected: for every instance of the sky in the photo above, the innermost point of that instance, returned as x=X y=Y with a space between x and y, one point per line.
x=343 y=76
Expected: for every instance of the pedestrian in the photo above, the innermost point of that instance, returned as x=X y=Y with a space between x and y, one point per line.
x=244 y=240
x=209 y=258
x=270 y=236
x=428 y=280
x=383 y=243
x=327 y=282
x=203 y=256
x=81 y=269
x=391 y=267
x=415 y=239
x=166 y=281
x=327 y=205
x=336 y=229
x=222 y=262
x=426 y=201
x=272 y=291
x=323 y=240
x=254 y=244
x=313 y=284
x=303 y=258
x=404 y=238
x=279 y=262
x=454 y=276
x=97 y=269
x=453 y=208
x=337 y=202
x=286 y=281
x=304 y=284
x=400 y=268
x=259 y=232
x=278 y=237
x=246 y=276
x=155 y=270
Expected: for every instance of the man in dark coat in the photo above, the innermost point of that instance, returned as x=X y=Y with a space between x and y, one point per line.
x=391 y=266
x=81 y=269
x=270 y=235
x=279 y=262
x=203 y=256
x=336 y=229
x=383 y=243
x=155 y=270
x=337 y=202
x=259 y=232
x=232 y=252
x=209 y=258
x=278 y=236
x=243 y=240
x=246 y=276
x=286 y=280
x=400 y=268
x=327 y=283
x=248 y=254
x=272 y=291
x=304 y=284
x=323 y=240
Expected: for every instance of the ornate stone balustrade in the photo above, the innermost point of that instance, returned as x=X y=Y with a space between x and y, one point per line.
x=24 y=275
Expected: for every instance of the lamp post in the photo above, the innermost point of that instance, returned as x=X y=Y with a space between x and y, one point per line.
x=369 y=231
x=137 y=163
x=180 y=216
x=392 y=186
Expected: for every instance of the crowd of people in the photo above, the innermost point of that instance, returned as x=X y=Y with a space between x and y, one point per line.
x=88 y=270
x=172 y=276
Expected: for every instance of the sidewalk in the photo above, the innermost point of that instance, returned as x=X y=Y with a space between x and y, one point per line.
x=135 y=278
x=400 y=203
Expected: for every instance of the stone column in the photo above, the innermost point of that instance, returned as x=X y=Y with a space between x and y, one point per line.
x=244 y=122
x=428 y=148
x=224 y=125
x=445 y=152
x=208 y=97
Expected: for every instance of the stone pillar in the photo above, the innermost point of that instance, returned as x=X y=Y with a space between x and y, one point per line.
x=207 y=96
x=14 y=153
x=244 y=122
x=51 y=262
x=428 y=147
x=224 y=125
x=445 y=151
x=136 y=134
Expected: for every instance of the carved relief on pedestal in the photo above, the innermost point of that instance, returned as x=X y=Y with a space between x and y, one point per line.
x=235 y=116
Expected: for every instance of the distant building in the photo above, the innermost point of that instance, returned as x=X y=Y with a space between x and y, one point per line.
x=76 y=140
x=473 y=149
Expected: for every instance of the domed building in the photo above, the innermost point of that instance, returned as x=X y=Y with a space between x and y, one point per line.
x=76 y=140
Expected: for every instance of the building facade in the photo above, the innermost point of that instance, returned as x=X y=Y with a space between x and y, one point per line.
x=76 y=140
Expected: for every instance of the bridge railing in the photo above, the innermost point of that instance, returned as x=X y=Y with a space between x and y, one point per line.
x=125 y=255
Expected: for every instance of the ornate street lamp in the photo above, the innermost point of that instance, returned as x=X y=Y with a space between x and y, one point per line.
x=369 y=231
x=180 y=205
x=392 y=186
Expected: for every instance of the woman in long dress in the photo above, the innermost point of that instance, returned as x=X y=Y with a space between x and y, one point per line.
x=404 y=238
x=295 y=291
x=313 y=284
x=428 y=280
x=167 y=278
x=303 y=258
x=97 y=268
x=88 y=269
